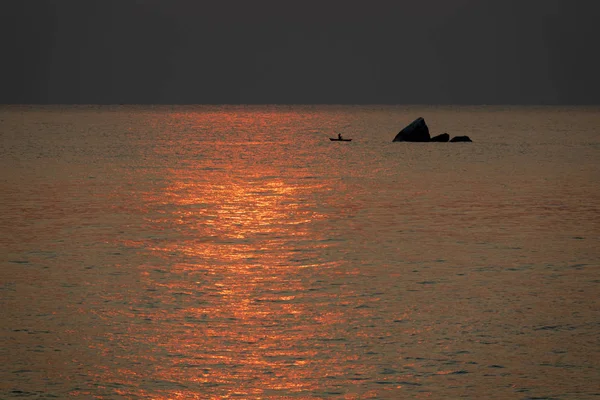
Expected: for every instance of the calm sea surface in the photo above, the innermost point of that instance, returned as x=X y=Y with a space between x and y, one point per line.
x=235 y=252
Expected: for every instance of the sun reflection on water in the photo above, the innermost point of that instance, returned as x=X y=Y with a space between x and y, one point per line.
x=240 y=311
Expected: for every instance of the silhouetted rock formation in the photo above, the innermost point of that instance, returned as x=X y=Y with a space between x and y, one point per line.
x=417 y=131
x=444 y=137
x=461 y=139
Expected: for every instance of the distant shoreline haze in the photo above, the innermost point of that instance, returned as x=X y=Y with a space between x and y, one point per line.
x=582 y=105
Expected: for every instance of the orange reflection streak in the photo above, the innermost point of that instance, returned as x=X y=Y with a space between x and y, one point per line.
x=247 y=236
x=241 y=290
x=233 y=221
x=233 y=306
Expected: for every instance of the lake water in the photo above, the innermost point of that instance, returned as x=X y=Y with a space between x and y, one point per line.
x=235 y=252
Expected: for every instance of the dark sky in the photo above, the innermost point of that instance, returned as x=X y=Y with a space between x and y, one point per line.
x=344 y=52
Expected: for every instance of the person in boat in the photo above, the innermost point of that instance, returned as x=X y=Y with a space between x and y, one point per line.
x=340 y=136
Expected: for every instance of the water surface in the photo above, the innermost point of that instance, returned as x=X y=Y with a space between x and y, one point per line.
x=235 y=252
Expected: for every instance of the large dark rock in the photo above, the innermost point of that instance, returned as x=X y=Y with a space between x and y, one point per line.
x=417 y=131
x=444 y=137
x=461 y=139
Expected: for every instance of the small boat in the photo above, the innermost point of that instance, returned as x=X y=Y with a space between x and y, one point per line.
x=339 y=140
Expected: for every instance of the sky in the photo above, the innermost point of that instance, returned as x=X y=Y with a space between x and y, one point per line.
x=300 y=52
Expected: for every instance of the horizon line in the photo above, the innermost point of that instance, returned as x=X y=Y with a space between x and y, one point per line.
x=315 y=104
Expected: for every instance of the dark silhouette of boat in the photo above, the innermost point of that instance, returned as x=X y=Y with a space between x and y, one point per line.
x=339 y=139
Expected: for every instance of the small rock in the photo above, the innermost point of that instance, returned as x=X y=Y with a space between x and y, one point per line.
x=461 y=139
x=444 y=137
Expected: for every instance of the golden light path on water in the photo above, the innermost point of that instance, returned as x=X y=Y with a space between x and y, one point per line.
x=246 y=310
x=245 y=315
